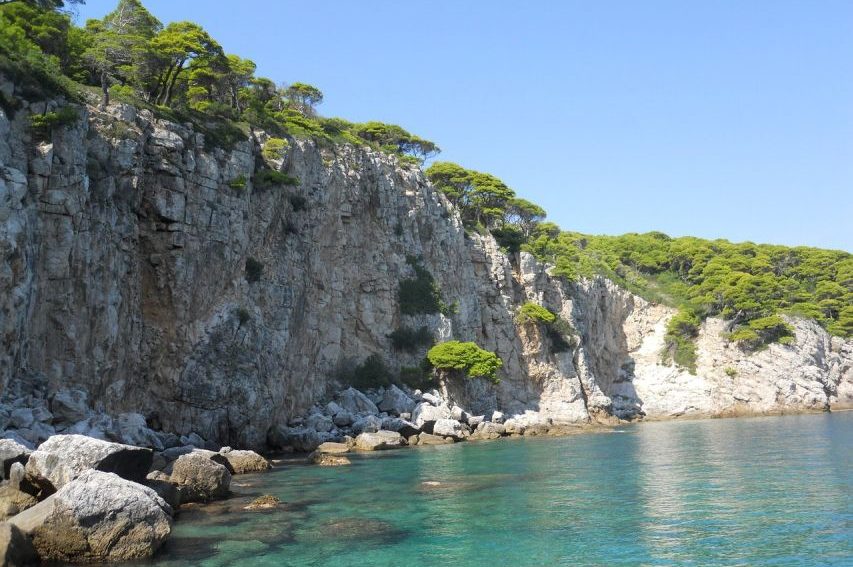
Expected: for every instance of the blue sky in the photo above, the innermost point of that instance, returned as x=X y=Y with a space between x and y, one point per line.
x=720 y=119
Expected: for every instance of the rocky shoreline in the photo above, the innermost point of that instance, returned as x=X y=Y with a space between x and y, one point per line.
x=75 y=497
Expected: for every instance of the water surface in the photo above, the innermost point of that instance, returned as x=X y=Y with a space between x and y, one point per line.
x=756 y=491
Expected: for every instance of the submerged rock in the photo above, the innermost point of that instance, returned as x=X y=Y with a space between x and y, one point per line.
x=265 y=502
x=62 y=458
x=378 y=441
x=329 y=459
x=97 y=517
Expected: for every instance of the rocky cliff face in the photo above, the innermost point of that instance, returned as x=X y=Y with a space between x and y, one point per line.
x=124 y=244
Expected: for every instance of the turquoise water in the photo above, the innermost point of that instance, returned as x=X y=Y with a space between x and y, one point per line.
x=757 y=491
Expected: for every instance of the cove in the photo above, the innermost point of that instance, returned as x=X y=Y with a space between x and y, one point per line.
x=747 y=491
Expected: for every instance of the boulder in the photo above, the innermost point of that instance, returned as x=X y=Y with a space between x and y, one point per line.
x=355 y=402
x=165 y=489
x=330 y=447
x=367 y=424
x=343 y=418
x=429 y=439
x=378 y=441
x=16 y=549
x=22 y=418
x=450 y=428
x=37 y=432
x=328 y=460
x=193 y=439
x=12 y=452
x=432 y=398
x=401 y=426
x=395 y=401
x=425 y=415
x=13 y=501
x=458 y=414
x=70 y=406
x=497 y=417
x=475 y=420
x=62 y=458
x=98 y=426
x=242 y=462
x=13 y=435
x=319 y=423
x=300 y=439
x=333 y=409
x=199 y=478
x=96 y=517
x=488 y=430
x=133 y=430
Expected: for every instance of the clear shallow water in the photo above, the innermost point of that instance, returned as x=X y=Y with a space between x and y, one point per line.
x=758 y=491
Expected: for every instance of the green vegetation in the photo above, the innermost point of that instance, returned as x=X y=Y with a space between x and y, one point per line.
x=410 y=340
x=269 y=178
x=178 y=70
x=418 y=377
x=680 y=346
x=238 y=183
x=532 y=312
x=254 y=270
x=730 y=372
x=467 y=357
x=44 y=124
x=421 y=293
x=744 y=283
x=274 y=148
x=372 y=373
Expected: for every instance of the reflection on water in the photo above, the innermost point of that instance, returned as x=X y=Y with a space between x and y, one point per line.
x=763 y=491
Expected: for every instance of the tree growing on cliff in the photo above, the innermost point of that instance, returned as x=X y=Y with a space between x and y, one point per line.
x=466 y=357
x=303 y=97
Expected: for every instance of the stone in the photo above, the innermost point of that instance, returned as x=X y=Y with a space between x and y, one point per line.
x=497 y=417
x=97 y=426
x=356 y=402
x=265 y=502
x=333 y=448
x=475 y=420
x=242 y=462
x=13 y=501
x=401 y=426
x=320 y=423
x=488 y=430
x=425 y=415
x=133 y=430
x=328 y=460
x=430 y=439
x=343 y=418
x=16 y=549
x=450 y=428
x=378 y=441
x=62 y=458
x=12 y=452
x=333 y=409
x=97 y=517
x=300 y=439
x=367 y=424
x=70 y=406
x=13 y=435
x=458 y=414
x=165 y=489
x=199 y=478
x=432 y=398
x=395 y=401
x=193 y=439
x=22 y=418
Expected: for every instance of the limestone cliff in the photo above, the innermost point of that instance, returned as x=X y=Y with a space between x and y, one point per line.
x=124 y=244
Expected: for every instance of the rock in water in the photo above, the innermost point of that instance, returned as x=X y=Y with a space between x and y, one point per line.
x=378 y=441
x=16 y=549
x=242 y=462
x=199 y=478
x=97 y=517
x=12 y=452
x=264 y=502
x=328 y=459
x=450 y=428
x=62 y=458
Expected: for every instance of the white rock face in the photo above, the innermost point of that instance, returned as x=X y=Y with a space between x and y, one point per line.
x=97 y=517
x=123 y=277
x=449 y=428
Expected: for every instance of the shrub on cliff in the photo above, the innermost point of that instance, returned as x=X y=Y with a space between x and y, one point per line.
x=408 y=339
x=532 y=312
x=371 y=373
x=421 y=293
x=679 y=345
x=474 y=361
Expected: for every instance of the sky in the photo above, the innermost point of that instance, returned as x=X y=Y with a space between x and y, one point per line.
x=719 y=119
